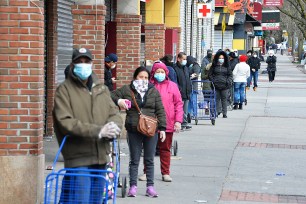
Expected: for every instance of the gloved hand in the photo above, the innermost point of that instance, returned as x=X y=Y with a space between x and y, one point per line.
x=253 y=70
x=162 y=135
x=109 y=130
x=122 y=104
x=177 y=127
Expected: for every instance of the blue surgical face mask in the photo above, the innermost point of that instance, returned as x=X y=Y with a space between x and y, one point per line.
x=184 y=62
x=190 y=66
x=221 y=61
x=82 y=70
x=160 y=77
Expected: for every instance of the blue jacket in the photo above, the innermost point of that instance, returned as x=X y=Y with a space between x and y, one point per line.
x=172 y=75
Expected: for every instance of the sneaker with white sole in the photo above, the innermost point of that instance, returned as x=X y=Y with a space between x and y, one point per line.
x=167 y=178
x=132 y=191
x=142 y=177
x=151 y=192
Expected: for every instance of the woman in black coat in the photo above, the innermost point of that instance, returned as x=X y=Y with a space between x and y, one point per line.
x=221 y=75
x=271 y=61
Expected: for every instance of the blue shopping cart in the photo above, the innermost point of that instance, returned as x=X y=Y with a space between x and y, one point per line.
x=86 y=186
x=203 y=102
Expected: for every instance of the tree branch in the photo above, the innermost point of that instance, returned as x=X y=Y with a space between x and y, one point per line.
x=303 y=14
x=290 y=15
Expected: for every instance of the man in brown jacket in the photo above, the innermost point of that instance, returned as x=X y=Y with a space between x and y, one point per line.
x=84 y=110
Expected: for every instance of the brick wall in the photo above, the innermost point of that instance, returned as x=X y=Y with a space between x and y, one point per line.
x=21 y=77
x=154 y=41
x=89 y=32
x=128 y=46
x=51 y=62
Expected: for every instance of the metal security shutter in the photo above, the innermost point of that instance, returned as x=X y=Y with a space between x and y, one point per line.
x=227 y=40
x=65 y=38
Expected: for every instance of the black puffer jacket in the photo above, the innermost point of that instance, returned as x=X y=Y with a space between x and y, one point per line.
x=183 y=80
x=233 y=63
x=271 y=60
x=151 y=105
x=254 y=63
x=221 y=76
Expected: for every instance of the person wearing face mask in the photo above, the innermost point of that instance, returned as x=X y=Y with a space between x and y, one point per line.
x=249 y=53
x=206 y=60
x=173 y=105
x=271 y=61
x=110 y=63
x=149 y=101
x=184 y=84
x=254 y=63
x=221 y=75
x=78 y=113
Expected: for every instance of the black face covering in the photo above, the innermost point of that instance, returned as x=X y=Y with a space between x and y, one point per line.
x=209 y=55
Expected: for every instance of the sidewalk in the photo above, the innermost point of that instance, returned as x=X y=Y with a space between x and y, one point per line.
x=254 y=156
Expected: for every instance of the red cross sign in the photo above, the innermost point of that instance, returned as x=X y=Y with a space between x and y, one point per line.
x=204 y=10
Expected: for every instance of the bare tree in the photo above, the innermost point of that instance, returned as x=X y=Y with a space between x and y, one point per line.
x=296 y=10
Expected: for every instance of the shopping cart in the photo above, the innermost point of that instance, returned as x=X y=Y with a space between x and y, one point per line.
x=203 y=102
x=86 y=186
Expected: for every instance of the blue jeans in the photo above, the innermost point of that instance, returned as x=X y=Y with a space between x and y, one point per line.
x=254 y=76
x=83 y=188
x=239 y=92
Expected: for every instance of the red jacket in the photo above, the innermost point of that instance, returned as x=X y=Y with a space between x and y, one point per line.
x=171 y=97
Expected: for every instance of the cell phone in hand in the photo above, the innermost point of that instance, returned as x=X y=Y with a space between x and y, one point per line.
x=128 y=103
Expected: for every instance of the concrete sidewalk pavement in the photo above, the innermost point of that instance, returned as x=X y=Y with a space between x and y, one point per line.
x=254 y=156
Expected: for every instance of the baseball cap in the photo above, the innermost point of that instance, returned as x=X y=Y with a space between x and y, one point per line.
x=82 y=52
x=111 y=58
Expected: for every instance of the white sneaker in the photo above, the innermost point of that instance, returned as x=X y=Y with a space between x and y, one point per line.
x=167 y=178
x=142 y=178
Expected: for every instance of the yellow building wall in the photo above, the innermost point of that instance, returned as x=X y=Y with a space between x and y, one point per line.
x=172 y=13
x=155 y=12
x=238 y=44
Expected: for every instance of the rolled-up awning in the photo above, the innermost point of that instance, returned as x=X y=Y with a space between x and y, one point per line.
x=237 y=18
x=229 y=19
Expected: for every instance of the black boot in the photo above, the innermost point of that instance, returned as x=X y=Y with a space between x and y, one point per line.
x=235 y=106
x=240 y=106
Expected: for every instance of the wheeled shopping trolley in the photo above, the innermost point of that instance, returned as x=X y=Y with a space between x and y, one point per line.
x=203 y=101
x=86 y=186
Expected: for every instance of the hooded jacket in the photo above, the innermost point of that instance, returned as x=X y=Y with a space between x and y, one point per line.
x=171 y=98
x=271 y=61
x=151 y=105
x=81 y=111
x=183 y=80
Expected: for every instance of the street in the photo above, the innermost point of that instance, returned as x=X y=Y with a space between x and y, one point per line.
x=256 y=155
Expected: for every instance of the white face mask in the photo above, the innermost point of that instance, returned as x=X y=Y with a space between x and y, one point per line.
x=112 y=67
x=255 y=55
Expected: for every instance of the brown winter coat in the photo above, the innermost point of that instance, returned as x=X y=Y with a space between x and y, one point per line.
x=81 y=113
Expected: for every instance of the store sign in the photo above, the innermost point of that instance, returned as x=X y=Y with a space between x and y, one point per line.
x=219 y=3
x=270 y=26
x=257 y=12
x=270 y=3
x=271 y=16
x=204 y=10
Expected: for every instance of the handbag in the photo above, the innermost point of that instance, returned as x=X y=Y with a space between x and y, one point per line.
x=147 y=125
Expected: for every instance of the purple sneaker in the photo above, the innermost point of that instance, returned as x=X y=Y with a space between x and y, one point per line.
x=132 y=191
x=151 y=192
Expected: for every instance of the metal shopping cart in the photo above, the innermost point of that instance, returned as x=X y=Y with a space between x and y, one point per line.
x=86 y=186
x=203 y=102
